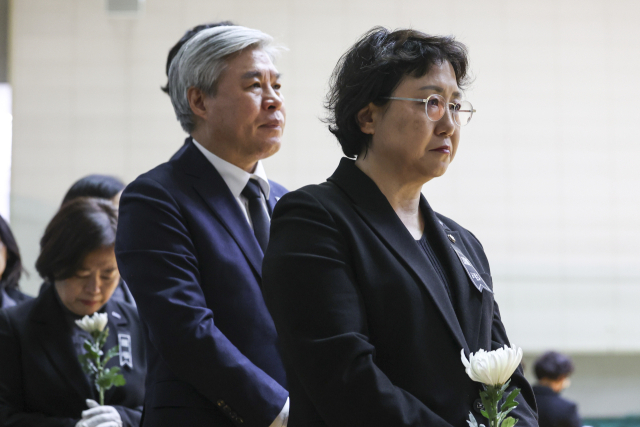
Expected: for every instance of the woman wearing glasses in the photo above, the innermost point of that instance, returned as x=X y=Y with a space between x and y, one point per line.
x=373 y=294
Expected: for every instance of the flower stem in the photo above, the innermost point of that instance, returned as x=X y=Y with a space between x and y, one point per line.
x=101 y=396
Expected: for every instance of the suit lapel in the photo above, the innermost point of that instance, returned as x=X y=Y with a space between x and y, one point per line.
x=55 y=337
x=216 y=194
x=272 y=199
x=374 y=208
x=118 y=323
x=468 y=301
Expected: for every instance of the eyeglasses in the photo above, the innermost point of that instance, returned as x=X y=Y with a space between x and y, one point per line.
x=434 y=106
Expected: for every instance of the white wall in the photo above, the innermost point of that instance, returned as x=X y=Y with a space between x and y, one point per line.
x=5 y=149
x=546 y=174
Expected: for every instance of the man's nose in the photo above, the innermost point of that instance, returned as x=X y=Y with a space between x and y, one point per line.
x=272 y=100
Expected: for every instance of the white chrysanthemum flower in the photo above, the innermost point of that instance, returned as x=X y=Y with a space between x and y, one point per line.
x=492 y=368
x=95 y=323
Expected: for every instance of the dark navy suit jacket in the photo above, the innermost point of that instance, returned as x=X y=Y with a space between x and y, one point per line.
x=194 y=267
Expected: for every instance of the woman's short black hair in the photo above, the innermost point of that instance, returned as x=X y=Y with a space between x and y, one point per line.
x=553 y=365
x=80 y=227
x=13 y=269
x=98 y=186
x=372 y=69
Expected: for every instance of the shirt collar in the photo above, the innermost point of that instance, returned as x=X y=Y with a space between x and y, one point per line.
x=236 y=178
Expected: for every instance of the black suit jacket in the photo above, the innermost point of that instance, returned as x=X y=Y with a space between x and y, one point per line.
x=41 y=380
x=554 y=410
x=193 y=264
x=370 y=336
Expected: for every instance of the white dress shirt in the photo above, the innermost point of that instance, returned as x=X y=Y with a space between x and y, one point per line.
x=236 y=179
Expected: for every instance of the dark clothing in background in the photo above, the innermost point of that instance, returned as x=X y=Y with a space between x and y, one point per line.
x=10 y=297
x=193 y=264
x=41 y=380
x=554 y=410
x=369 y=335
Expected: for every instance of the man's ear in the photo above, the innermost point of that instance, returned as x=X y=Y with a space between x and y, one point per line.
x=366 y=119
x=196 y=101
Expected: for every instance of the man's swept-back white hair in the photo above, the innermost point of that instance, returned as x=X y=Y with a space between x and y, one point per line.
x=200 y=62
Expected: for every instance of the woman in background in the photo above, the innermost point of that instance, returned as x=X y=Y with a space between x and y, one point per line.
x=10 y=268
x=41 y=380
x=105 y=187
x=97 y=186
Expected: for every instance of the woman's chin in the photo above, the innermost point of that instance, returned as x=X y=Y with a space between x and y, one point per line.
x=435 y=171
x=82 y=309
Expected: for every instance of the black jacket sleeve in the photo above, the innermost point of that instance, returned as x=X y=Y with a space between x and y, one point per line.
x=12 y=405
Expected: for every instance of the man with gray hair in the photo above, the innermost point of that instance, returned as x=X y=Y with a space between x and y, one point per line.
x=191 y=237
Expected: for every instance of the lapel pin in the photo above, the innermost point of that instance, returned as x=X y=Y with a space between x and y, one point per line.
x=116 y=315
x=124 y=341
x=453 y=239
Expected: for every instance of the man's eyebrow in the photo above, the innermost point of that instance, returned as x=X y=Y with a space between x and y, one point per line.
x=257 y=74
x=439 y=90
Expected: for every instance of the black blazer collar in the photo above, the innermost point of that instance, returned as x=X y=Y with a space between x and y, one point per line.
x=469 y=301
x=375 y=209
x=54 y=335
x=216 y=194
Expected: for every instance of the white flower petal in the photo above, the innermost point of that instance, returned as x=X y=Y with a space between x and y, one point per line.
x=100 y=321
x=97 y=322
x=465 y=362
x=492 y=368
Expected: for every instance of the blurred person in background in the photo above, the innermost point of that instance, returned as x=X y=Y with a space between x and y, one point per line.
x=99 y=186
x=191 y=237
x=553 y=370
x=105 y=187
x=10 y=268
x=41 y=380
x=369 y=288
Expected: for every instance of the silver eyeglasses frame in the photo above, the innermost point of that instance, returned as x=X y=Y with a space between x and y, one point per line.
x=425 y=100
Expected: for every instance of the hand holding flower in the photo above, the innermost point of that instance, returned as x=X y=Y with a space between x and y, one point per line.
x=94 y=361
x=99 y=416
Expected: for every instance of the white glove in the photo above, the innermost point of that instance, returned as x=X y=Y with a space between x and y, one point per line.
x=99 y=416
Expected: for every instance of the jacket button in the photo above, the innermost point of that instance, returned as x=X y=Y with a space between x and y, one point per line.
x=477 y=405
